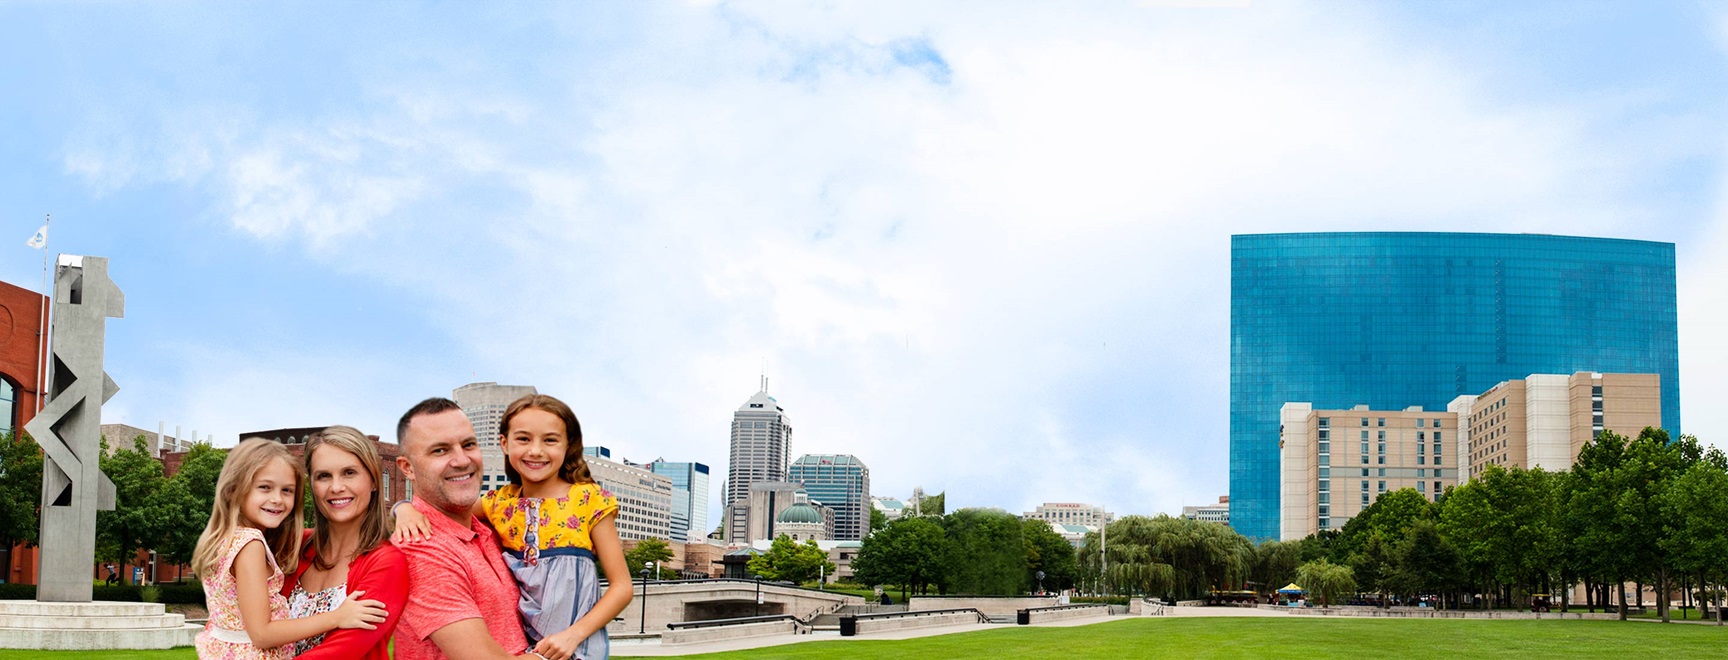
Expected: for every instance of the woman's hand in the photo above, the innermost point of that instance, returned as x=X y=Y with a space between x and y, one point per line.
x=411 y=525
x=357 y=613
x=560 y=646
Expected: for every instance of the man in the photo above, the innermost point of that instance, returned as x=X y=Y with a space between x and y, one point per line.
x=461 y=597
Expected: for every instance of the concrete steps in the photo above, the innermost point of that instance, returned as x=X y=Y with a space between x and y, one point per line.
x=28 y=624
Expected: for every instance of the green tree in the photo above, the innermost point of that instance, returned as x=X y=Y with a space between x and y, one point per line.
x=1326 y=581
x=20 y=489
x=1047 y=551
x=647 y=550
x=789 y=561
x=134 y=524
x=933 y=506
x=1275 y=564
x=1423 y=562
x=1201 y=556
x=987 y=552
x=910 y=553
x=1652 y=464
x=185 y=502
x=1695 y=510
x=878 y=520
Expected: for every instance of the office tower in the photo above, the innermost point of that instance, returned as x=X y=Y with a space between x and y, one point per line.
x=484 y=403
x=644 y=498
x=840 y=482
x=761 y=441
x=689 y=497
x=1392 y=320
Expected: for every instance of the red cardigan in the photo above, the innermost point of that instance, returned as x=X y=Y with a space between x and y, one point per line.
x=383 y=575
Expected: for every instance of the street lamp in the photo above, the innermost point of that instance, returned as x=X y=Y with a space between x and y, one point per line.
x=642 y=628
x=758 y=579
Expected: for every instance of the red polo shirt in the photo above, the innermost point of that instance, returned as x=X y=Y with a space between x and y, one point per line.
x=457 y=574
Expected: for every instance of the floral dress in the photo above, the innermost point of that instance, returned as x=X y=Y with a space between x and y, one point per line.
x=224 y=636
x=548 y=548
x=302 y=604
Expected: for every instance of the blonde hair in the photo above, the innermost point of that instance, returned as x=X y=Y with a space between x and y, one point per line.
x=238 y=470
x=374 y=525
x=575 y=468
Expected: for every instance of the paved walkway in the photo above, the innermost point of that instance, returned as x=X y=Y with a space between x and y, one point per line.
x=651 y=647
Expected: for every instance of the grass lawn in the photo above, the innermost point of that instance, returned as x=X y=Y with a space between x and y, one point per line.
x=1222 y=637
x=1281 y=637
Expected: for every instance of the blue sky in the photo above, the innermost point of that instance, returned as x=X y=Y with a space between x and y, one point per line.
x=983 y=246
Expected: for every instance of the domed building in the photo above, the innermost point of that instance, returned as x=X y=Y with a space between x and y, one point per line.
x=803 y=520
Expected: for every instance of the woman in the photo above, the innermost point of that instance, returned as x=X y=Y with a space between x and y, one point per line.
x=348 y=550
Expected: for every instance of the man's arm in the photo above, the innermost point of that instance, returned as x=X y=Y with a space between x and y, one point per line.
x=468 y=639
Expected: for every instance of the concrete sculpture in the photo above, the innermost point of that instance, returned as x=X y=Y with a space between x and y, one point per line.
x=69 y=427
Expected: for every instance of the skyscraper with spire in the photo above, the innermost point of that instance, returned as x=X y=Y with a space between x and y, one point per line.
x=761 y=448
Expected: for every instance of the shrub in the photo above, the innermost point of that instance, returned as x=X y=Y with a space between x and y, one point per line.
x=10 y=591
x=189 y=593
x=124 y=593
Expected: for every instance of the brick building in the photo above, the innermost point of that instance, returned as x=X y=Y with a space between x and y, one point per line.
x=21 y=350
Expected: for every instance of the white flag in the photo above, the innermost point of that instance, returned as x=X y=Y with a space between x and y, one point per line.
x=40 y=239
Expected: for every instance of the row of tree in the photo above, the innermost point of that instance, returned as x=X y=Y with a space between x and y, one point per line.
x=152 y=511
x=969 y=551
x=1644 y=511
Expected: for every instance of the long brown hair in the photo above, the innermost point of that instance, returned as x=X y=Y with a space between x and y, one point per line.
x=374 y=526
x=574 y=469
x=238 y=470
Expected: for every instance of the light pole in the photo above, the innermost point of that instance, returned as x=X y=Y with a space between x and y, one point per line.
x=656 y=567
x=758 y=579
x=642 y=628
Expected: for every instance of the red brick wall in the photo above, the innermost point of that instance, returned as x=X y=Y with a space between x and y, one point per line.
x=20 y=319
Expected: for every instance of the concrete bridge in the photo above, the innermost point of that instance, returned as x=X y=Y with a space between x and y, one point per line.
x=705 y=600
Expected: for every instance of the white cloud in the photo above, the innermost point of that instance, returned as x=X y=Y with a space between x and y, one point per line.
x=953 y=265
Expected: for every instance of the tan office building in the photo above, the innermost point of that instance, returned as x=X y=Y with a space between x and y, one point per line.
x=1544 y=420
x=1335 y=463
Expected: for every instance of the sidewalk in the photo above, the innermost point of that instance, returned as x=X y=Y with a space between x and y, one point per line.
x=652 y=648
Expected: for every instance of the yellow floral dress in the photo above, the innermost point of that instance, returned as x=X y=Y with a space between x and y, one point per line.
x=549 y=550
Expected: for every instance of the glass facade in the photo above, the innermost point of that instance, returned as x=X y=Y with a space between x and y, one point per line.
x=689 y=497
x=840 y=482
x=8 y=408
x=1391 y=320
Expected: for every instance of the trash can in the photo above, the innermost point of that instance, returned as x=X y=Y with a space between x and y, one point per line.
x=1023 y=617
x=848 y=626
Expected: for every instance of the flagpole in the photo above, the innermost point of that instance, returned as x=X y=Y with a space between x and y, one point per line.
x=42 y=329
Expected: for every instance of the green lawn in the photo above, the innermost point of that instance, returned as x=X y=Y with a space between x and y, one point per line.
x=1286 y=638
x=1222 y=637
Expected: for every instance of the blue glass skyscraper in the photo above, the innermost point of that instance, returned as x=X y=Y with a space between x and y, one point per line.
x=1392 y=320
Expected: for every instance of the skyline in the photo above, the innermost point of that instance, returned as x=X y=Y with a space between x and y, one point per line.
x=990 y=258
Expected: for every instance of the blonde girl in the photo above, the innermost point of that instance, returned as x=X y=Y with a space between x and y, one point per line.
x=557 y=529
x=255 y=531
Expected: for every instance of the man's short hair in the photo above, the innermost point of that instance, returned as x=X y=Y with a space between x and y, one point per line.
x=430 y=406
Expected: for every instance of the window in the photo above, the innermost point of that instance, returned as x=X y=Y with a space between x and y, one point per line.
x=8 y=407
x=1420 y=436
x=1419 y=423
x=1364 y=421
x=1421 y=486
x=1436 y=436
x=1325 y=422
x=1364 y=498
x=1364 y=486
x=1382 y=486
x=1382 y=436
x=1325 y=498
x=1436 y=425
x=1382 y=421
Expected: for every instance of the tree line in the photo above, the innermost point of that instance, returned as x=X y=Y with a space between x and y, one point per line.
x=970 y=551
x=152 y=511
x=1644 y=510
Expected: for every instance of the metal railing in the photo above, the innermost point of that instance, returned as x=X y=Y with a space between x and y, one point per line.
x=713 y=623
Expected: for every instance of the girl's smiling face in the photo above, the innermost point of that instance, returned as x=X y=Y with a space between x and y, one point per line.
x=270 y=498
x=536 y=445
